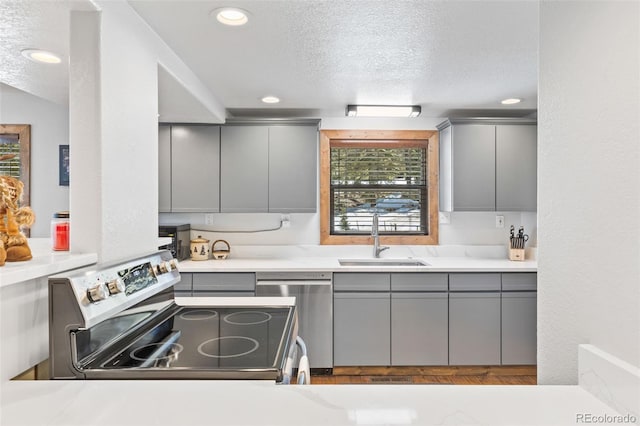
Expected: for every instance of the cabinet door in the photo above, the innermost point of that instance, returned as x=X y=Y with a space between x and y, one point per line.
x=516 y=167
x=474 y=328
x=293 y=159
x=195 y=163
x=361 y=329
x=419 y=329
x=519 y=328
x=474 y=170
x=244 y=174
x=164 y=169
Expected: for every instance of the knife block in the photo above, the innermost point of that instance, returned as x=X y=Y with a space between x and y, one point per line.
x=516 y=254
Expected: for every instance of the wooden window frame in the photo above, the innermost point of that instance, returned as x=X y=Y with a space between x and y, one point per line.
x=383 y=139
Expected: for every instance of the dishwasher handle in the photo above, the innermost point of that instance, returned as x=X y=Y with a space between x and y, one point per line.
x=261 y=283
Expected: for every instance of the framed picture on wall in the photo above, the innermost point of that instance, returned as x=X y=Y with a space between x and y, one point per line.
x=63 y=165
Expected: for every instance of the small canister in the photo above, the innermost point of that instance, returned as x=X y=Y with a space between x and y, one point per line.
x=200 y=248
x=60 y=231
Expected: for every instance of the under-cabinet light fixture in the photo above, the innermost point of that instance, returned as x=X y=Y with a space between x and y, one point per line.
x=383 y=110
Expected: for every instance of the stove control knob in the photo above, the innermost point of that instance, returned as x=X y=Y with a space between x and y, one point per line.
x=116 y=286
x=174 y=263
x=97 y=293
x=169 y=266
x=161 y=268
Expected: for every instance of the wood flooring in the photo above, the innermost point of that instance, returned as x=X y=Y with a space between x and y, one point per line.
x=475 y=375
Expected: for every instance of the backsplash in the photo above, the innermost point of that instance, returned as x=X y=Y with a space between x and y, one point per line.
x=464 y=228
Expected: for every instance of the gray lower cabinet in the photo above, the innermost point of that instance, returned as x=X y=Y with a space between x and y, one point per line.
x=185 y=287
x=361 y=329
x=519 y=319
x=214 y=284
x=419 y=328
x=361 y=319
x=474 y=319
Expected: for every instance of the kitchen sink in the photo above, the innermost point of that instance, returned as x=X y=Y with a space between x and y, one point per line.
x=382 y=262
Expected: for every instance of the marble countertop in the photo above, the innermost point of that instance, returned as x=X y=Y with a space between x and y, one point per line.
x=45 y=262
x=186 y=402
x=326 y=258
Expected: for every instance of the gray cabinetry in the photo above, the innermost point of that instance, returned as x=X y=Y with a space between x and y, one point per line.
x=195 y=163
x=519 y=319
x=516 y=168
x=474 y=319
x=419 y=319
x=164 y=169
x=229 y=284
x=362 y=319
x=488 y=165
x=185 y=287
x=293 y=159
x=269 y=168
x=244 y=184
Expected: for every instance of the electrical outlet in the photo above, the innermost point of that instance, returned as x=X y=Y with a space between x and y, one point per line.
x=499 y=221
x=285 y=220
x=444 y=218
x=208 y=219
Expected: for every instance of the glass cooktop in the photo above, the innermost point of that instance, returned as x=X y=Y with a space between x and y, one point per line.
x=201 y=338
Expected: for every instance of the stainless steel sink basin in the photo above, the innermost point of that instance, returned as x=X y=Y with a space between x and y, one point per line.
x=382 y=262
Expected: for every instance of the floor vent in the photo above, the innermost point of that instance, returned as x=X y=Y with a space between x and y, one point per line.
x=393 y=380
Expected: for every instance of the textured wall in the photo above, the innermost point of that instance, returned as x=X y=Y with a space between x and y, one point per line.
x=589 y=184
x=49 y=129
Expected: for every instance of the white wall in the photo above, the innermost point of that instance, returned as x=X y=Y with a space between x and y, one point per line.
x=589 y=184
x=49 y=129
x=113 y=104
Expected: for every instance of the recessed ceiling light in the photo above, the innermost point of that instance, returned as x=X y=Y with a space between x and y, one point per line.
x=270 y=99
x=42 y=56
x=232 y=16
x=511 y=101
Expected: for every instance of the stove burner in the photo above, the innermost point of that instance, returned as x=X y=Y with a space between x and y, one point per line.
x=238 y=339
x=248 y=318
x=200 y=314
x=173 y=350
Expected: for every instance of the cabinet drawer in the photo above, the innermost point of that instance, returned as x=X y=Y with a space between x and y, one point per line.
x=419 y=282
x=186 y=281
x=520 y=282
x=223 y=294
x=474 y=282
x=361 y=282
x=224 y=281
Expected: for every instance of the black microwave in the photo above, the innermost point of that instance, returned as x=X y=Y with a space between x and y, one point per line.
x=180 y=239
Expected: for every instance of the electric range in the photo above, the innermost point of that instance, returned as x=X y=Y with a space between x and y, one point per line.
x=121 y=321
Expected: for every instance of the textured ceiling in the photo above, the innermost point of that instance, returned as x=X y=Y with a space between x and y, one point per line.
x=451 y=57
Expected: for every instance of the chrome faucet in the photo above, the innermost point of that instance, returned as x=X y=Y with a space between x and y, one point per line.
x=376 y=239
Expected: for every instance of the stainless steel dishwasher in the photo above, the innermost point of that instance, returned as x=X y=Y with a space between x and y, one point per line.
x=314 y=304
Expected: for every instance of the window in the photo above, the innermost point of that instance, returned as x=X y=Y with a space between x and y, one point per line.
x=390 y=173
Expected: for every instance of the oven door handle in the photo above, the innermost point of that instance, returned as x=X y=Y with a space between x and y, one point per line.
x=163 y=345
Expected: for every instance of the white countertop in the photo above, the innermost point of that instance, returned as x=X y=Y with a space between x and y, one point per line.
x=45 y=262
x=325 y=258
x=209 y=402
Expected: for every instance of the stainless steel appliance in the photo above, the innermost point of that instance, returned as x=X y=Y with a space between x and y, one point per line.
x=314 y=303
x=180 y=237
x=121 y=321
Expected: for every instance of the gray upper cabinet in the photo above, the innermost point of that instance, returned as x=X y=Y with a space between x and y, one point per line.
x=195 y=168
x=516 y=168
x=244 y=184
x=293 y=159
x=164 y=169
x=269 y=168
x=488 y=166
